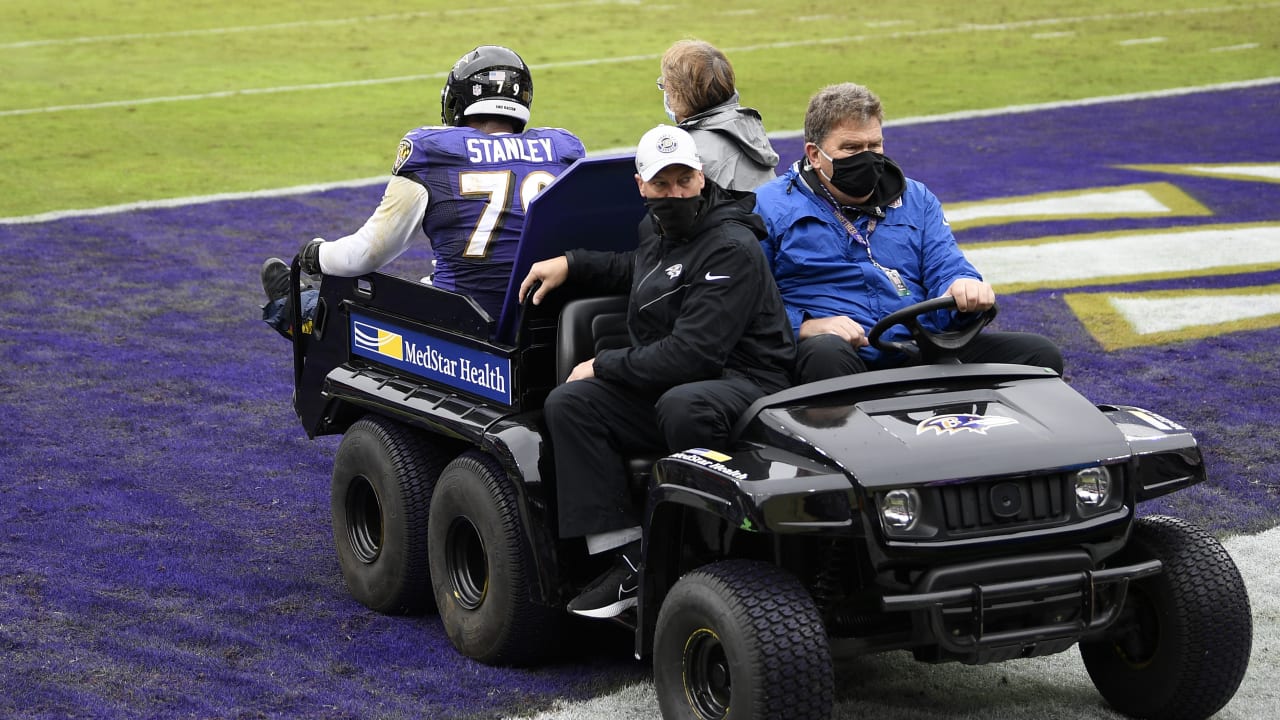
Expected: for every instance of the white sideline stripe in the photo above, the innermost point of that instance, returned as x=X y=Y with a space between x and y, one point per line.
x=1084 y=102
x=86 y=39
x=193 y=200
x=963 y=28
x=321 y=187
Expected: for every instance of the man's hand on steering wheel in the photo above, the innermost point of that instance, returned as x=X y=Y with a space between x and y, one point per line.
x=925 y=344
x=971 y=295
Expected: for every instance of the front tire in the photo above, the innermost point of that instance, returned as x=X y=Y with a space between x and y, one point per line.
x=1182 y=643
x=383 y=476
x=741 y=639
x=482 y=566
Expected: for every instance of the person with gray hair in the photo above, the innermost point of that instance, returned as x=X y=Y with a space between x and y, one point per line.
x=851 y=239
x=699 y=93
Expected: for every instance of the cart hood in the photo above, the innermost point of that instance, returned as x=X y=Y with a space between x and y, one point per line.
x=933 y=428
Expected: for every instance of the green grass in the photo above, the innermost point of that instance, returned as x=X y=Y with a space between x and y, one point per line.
x=925 y=58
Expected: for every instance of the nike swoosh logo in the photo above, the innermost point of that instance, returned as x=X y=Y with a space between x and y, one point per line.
x=709 y=276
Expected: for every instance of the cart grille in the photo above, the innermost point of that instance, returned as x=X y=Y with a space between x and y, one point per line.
x=1004 y=504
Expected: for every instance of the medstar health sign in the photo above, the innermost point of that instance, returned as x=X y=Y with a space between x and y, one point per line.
x=467 y=369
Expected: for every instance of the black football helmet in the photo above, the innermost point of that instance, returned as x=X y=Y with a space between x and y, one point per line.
x=490 y=80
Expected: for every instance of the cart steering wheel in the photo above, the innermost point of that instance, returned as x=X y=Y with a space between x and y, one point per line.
x=926 y=345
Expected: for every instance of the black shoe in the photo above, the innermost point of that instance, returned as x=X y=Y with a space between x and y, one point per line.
x=613 y=592
x=275 y=279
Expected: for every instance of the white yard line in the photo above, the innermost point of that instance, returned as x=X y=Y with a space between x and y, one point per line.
x=236 y=30
x=364 y=182
x=393 y=17
x=1142 y=41
x=648 y=57
x=1233 y=48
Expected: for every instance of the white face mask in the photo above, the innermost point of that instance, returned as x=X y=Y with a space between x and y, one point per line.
x=667 y=106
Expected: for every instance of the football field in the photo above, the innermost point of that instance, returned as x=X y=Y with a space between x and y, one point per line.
x=165 y=551
x=103 y=103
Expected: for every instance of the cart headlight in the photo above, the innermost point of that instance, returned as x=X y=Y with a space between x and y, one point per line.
x=1093 y=487
x=900 y=508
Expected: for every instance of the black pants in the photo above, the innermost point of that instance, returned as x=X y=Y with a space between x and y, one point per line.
x=595 y=425
x=827 y=356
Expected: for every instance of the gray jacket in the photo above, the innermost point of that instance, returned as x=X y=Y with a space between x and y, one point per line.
x=735 y=151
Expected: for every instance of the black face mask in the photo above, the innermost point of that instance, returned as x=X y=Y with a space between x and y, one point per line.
x=675 y=216
x=858 y=174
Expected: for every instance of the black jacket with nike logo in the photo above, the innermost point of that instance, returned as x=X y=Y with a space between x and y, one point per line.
x=699 y=308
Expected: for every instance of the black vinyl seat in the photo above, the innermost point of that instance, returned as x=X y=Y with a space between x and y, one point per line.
x=587 y=326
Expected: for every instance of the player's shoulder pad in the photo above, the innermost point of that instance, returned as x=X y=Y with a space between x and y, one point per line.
x=569 y=145
x=429 y=144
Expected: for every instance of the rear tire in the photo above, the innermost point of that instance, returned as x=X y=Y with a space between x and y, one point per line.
x=482 y=566
x=1182 y=643
x=740 y=639
x=380 y=499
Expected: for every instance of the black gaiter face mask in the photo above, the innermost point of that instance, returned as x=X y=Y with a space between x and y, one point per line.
x=676 y=216
x=858 y=174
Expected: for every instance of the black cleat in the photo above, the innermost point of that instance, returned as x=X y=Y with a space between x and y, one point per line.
x=275 y=279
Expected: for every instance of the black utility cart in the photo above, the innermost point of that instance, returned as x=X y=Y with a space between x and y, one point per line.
x=970 y=513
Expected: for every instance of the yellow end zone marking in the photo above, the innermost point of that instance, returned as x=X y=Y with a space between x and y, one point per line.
x=1155 y=199
x=1125 y=320
x=1249 y=172
x=1126 y=256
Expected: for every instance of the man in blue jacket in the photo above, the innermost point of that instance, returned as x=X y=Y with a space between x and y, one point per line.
x=851 y=240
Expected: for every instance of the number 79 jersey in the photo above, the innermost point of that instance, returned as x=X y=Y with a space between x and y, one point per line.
x=479 y=186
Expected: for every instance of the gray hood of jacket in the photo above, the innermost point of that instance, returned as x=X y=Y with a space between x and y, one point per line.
x=731 y=140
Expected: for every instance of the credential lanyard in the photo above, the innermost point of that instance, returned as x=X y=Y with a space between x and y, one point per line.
x=894 y=276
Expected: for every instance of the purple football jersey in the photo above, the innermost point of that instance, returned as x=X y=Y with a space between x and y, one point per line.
x=479 y=187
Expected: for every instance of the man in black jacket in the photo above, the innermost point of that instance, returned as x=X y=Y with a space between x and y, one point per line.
x=709 y=335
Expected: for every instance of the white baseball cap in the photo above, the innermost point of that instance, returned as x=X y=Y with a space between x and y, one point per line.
x=663 y=146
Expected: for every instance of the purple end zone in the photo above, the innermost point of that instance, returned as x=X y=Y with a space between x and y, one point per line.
x=165 y=524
